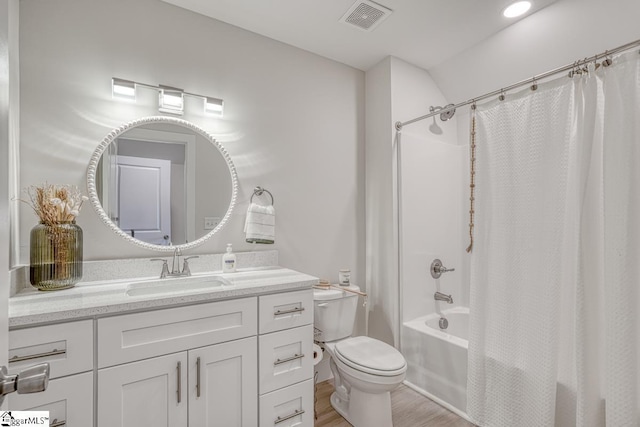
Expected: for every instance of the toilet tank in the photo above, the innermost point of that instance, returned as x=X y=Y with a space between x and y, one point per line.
x=334 y=312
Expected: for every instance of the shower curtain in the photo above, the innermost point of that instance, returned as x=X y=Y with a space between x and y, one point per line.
x=555 y=268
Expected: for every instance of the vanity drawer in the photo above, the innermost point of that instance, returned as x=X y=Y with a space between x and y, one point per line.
x=69 y=401
x=67 y=347
x=286 y=310
x=286 y=357
x=137 y=336
x=290 y=406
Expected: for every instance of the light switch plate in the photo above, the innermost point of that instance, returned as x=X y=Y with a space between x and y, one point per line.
x=211 y=222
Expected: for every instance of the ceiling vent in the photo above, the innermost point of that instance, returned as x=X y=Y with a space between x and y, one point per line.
x=366 y=15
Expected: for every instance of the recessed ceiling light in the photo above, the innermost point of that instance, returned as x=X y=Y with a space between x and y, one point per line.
x=516 y=9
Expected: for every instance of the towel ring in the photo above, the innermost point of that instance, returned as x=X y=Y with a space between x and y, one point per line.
x=258 y=191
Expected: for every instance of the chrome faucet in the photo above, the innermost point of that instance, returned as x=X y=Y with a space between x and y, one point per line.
x=439 y=296
x=175 y=265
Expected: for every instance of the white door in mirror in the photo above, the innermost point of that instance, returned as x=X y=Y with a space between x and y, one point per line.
x=144 y=198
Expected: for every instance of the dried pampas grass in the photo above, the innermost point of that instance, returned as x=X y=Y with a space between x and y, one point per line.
x=55 y=204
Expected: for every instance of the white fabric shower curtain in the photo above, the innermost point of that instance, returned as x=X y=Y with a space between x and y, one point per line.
x=555 y=268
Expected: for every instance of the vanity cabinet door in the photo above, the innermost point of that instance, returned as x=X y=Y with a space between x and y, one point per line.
x=69 y=401
x=223 y=385
x=151 y=392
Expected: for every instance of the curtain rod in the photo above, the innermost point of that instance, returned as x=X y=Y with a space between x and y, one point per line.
x=531 y=80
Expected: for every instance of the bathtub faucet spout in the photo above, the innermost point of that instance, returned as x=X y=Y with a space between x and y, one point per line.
x=439 y=296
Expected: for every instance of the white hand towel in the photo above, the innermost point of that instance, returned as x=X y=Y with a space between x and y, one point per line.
x=260 y=225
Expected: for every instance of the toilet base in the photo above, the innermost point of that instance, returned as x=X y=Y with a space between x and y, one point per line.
x=364 y=409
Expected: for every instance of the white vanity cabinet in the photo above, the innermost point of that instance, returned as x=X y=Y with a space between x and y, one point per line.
x=68 y=348
x=286 y=359
x=242 y=362
x=164 y=367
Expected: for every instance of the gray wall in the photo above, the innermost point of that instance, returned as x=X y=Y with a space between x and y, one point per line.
x=294 y=122
x=557 y=35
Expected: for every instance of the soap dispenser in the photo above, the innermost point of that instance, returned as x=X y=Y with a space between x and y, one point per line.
x=229 y=260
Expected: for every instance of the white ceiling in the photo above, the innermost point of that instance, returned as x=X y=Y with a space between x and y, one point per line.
x=422 y=32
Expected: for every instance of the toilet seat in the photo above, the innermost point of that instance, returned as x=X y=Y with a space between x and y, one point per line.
x=370 y=356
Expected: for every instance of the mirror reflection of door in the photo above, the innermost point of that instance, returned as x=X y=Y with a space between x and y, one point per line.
x=201 y=179
x=140 y=199
x=144 y=198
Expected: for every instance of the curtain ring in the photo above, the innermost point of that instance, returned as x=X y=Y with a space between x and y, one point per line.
x=607 y=61
x=501 y=97
x=576 y=67
x=534 y=86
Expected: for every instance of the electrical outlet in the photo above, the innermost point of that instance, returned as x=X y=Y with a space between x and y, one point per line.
x=211 y=222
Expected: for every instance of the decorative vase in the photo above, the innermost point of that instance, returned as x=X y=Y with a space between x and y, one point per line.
x=55 y=256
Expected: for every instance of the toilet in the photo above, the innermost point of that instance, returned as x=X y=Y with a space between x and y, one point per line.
x=365 y=370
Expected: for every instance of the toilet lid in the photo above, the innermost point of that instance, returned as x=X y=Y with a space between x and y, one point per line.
x=371 y=356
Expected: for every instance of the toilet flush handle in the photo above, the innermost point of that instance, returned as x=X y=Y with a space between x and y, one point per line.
x=323 y=304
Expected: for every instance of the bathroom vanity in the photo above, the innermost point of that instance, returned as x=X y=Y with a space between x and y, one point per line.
x=137 y=344
x=210 y=349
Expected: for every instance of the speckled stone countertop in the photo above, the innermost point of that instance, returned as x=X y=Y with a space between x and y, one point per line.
x=109 y=297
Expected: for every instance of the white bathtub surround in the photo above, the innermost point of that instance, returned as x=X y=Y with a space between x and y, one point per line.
x=437 y=359
x=554 y=298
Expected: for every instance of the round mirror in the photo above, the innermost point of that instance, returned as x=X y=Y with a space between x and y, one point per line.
x=162 y=183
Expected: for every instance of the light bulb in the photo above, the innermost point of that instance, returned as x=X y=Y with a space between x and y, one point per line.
x=516 y=9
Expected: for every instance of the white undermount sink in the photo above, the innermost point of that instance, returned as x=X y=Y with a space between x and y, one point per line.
x=175 y=284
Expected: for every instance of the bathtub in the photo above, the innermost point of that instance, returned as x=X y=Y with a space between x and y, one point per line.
x=437 y=359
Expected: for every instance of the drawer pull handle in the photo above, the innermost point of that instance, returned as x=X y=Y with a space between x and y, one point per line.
x=288 y=359
x=198 y=377
x=179 y=368
x=54 y=352
x=293 y=310
x=288 y=417
x=56 y=423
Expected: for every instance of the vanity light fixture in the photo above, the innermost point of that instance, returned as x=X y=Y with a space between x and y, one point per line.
x=213 y=106
x=123 y=89
x=170 y=99
x=516 y=9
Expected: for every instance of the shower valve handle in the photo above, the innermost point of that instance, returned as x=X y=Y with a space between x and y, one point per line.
x=437 y=269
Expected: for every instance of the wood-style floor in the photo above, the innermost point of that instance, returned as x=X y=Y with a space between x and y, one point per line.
x=409 y=409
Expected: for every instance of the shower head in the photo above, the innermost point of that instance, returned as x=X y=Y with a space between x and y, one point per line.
x=434 y=128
